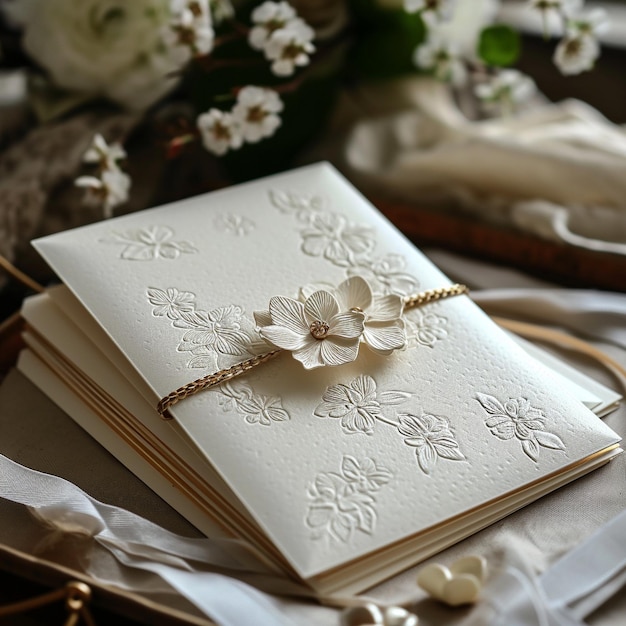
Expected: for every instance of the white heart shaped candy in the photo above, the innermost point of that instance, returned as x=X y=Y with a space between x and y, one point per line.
x=371 y=615
x=461 y=584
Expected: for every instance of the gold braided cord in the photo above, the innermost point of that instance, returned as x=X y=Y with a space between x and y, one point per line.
x=432 y=295
x=211 y=380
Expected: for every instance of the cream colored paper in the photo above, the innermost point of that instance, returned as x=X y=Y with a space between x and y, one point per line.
x=324 y=491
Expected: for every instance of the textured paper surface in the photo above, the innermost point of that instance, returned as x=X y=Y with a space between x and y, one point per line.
x=458 y=419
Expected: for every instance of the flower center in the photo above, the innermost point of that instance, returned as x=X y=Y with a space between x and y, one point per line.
x=319 y=329
x=221 y=132
x=292 y=50
x=573 y=47
x=256 y=114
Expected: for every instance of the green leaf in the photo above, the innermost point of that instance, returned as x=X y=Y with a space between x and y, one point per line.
x=499 y=45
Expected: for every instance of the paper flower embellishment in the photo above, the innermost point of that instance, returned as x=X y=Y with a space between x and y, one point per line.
x=383 y=330
x=327 y=328
x=371 y=615
x=458 y=585
x=316 y=331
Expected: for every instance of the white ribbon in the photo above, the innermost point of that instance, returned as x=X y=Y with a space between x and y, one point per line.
x=571 y=589
x=597 y=314
x=563 y=595
x=140 y=544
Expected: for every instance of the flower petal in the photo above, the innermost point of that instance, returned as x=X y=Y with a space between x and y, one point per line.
x=289 y=313
x=322 y=305
x=386 y=308
x=354 y=292
x=284 y=337
x=364 y=385
x=333 y=353
x=262 y=318
x=384 y=339
x=346 y=325
x=308 y=290
x=310 y=354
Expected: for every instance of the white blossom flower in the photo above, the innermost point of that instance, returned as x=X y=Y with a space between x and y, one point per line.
x=383 y=326
x=220 y=131
x=466 y=23
x=316 y=332
x=268 y=18
x=576 y=54
x=256 y=112
x=222 y=10
x=579 y=49
x=506 y=90
x=191 y=27
x=553 y=12
x=111 y=189
x=101 y=48
x=589 y=23
x=560 y=6
x=290 y=47
x=103 y=154
x=431 y=11
x=442 y=58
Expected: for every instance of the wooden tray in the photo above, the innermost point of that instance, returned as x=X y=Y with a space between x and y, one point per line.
x=563 y=264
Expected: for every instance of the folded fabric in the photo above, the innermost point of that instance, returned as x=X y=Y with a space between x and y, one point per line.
x=141 y=545
x=556 y=171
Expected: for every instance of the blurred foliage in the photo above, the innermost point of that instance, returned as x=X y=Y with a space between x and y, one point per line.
x=384 y=42
x=499 y=45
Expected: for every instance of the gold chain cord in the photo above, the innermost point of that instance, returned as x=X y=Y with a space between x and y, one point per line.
x=206 y=382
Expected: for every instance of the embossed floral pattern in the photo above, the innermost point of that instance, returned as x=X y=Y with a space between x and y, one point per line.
x=171 y=302
x=331 y=236
x=358 y=404
x=147 y=244
x=208 y=333
x=424 y=329
x=256 y=408
x=218 y=330
x=343 y=502
x=387 y=275
x=517 y=419
x=304 y=207
x=431 y=437
x=234 y=225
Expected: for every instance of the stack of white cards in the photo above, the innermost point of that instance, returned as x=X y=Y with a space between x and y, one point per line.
x=339 y=476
